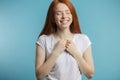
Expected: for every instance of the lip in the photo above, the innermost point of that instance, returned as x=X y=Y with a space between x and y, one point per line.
x=64 y=21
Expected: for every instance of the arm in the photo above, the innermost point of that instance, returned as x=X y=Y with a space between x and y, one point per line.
x=85 y=63
x=44 y=67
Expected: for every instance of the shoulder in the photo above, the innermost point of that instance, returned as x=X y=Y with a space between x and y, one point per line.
x=43 y=40
x=44 y=37
x=81 y=36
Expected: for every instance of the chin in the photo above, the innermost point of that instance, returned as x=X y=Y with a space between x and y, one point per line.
x=64 y=26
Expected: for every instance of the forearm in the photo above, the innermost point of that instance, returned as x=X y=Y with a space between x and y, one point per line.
x=47 y=66
x=86 y=68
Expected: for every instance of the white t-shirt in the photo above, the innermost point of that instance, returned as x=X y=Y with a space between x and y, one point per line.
x=65 y=67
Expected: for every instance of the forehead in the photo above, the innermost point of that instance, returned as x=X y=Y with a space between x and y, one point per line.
x=61 y=7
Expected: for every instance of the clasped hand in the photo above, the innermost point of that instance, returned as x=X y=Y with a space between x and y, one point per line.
x=65 y=45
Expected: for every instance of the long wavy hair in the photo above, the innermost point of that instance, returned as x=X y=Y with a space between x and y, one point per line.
x=50 y=25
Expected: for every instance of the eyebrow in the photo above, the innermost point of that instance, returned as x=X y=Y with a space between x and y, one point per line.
x=61 y=11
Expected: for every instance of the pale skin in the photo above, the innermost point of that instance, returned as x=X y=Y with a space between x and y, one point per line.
x=63 y=19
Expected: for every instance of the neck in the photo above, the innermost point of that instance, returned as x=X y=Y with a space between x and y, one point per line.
x=63 y=33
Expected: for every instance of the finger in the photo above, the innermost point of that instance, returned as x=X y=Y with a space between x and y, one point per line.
x=67 y=49
x=67 y=46
x=68 y=41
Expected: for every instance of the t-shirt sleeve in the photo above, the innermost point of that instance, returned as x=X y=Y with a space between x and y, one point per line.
x=41 y=41
x=86 y=42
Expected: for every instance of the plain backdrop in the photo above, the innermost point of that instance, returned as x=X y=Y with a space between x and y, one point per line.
x=22 y=20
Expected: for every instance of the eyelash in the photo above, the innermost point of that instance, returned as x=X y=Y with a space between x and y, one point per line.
x=65 y=12
x=58 y=13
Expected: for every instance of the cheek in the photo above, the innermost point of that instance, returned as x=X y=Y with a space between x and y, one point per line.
x=71 y=17
x=57 y=19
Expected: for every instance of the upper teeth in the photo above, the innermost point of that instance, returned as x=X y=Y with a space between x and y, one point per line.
x=64 y=21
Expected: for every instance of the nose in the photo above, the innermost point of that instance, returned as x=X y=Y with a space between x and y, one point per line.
x=63 y=15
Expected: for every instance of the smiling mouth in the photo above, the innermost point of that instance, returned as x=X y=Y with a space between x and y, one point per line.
x=64 y=21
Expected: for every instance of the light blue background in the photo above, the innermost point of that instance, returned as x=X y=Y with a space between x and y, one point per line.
x=22 y=20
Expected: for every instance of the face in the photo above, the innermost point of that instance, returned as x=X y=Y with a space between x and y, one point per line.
x=63 y=16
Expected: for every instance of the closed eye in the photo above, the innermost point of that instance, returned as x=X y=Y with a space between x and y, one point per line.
x=68 y=12
x=58 y=13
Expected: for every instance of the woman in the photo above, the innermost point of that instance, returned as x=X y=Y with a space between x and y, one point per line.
x=62 y=51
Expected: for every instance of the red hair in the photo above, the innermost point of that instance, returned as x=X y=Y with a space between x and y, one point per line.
x=50 y=25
